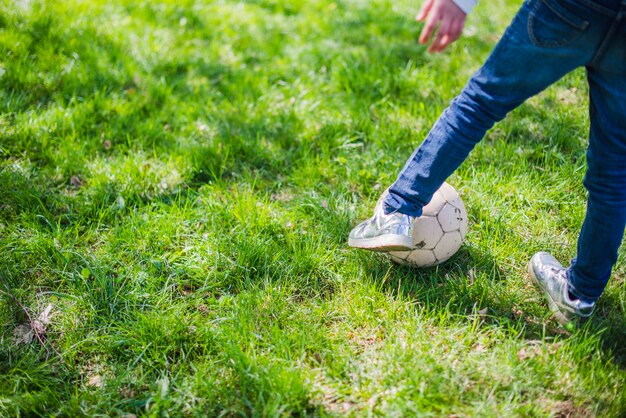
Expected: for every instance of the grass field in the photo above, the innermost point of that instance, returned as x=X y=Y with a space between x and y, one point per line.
x=178 y=180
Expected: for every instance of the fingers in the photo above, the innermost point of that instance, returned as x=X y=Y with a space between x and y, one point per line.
x=457 y=29
x=429 y=27
x=447 y=29
x=442 y=38
x=445 y=14
x=448 y=32
x=424 y=10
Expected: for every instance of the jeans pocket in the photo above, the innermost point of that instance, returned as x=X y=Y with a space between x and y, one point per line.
x=551 y=25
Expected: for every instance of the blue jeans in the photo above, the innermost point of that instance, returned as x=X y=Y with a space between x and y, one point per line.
x=546 y=40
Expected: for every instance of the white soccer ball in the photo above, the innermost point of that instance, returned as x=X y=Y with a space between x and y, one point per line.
x=438 y=233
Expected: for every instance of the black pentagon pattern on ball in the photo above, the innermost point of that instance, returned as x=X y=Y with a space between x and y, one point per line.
x=438 y=233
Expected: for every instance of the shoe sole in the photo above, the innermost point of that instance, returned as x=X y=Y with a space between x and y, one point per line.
x=383 y=244
x=554 y=308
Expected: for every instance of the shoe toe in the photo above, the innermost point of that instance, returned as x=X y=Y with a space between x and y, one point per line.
x=358 y=231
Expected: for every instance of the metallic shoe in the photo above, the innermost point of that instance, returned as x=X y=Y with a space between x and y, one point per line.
x=549 y=275
x=383 y=232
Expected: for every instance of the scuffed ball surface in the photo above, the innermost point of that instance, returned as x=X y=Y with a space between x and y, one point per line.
x=438 y=233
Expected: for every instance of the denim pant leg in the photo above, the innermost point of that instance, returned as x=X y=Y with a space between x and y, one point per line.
x=605 y=180
x=531 y=55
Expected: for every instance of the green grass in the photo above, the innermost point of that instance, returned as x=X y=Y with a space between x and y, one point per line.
x=178 y=182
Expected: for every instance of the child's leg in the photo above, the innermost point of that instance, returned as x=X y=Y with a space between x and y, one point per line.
x=603 y=229
x=524 y=62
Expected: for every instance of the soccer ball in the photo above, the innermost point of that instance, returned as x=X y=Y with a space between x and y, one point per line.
x=438 y=233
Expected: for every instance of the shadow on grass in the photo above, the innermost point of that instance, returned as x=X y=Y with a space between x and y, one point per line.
x=470 y=282
x=610 y=321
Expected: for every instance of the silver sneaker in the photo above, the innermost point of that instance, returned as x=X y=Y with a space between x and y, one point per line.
x=383 y=232
x=549 y=275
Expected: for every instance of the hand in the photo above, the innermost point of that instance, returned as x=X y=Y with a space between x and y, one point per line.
x=448 y=16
